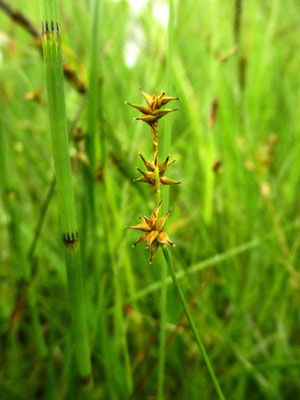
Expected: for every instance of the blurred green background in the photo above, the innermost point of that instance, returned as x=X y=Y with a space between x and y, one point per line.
x=235 y=66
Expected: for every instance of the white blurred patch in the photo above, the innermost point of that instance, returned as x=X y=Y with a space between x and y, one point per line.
x=131 y=52
x=134 y=42
x=161 y=13
x=137 y=5
x=4 y=40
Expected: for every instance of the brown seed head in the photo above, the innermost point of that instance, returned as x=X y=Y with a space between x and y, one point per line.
x=153 y=232
x=152 y=112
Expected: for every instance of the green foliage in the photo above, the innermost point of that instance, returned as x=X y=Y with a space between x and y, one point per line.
x=235 y=223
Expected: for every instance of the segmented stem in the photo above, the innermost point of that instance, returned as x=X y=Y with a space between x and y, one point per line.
x=66 y=203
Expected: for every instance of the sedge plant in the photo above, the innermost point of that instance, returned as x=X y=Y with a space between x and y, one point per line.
x=66 y=203
x=153 y=232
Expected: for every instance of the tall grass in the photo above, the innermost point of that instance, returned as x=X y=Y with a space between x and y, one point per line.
x=237 y=267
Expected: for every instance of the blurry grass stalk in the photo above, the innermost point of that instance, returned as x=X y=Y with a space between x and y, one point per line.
x=93 y=148
x=18 y=253
x=20 y=261
x=166 y=144
x=60 y=148
x=192 y=324
x=92 y=142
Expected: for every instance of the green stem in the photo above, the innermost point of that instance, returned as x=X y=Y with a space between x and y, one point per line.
x=162 y=332
x=192 y=325
x=166 y=144
x=157 y=185
x=92 y=143
x=66 y=203
x=154 y=129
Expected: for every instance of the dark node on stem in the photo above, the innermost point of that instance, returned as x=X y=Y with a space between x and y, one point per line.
x=57 y=27
x=47 y=27
x=70 y=239
x=217 y=166
x=43 y=30
x=85 y=380
x=52 y=26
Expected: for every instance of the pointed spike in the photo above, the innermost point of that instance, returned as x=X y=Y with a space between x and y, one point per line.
x=140 y=227
x=155 y=212
x=147 y=118
x=141 y=239
x=141 y=179
x=159 y=99
x=151 y=237
x=147 y=96
x=167 y=181
x=149 y=165
x=141 y=108
x=167 y=99
x=162 y=221
x=170 y=163
x=161 y=112
x=164 y=239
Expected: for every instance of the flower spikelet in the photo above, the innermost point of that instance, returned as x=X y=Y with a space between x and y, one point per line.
x=149 y=175
x=153 y=231
x=153 y=112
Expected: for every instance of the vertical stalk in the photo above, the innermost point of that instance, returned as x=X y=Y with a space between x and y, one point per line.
x=192 y=325
x=237 y=20
x=92 y=144
x=167 y=138
x=241 y=64
x=162 y=332
x=90 y=213
x=20 y=263
x=154 y=128
x=66 y=204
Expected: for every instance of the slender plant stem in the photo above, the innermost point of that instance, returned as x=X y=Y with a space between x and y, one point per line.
x=90 y=213
x=92 y=142
x=166 y=145
x=192 y=325
x=66 y=203
x=154 y=128
x=162 y=332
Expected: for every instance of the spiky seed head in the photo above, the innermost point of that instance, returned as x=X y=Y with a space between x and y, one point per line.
x=153 y=233
x=153 y=112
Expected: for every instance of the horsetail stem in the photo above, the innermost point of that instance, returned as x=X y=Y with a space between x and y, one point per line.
x=152 y=227
x=66 y=204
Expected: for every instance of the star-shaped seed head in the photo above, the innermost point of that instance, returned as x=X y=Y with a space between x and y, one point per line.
x=153 y=232
x=153 y=112
x=149 y=175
